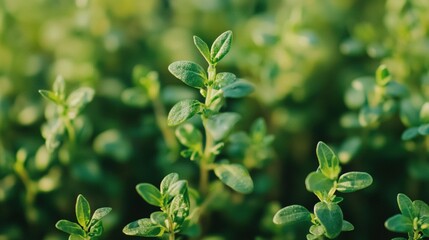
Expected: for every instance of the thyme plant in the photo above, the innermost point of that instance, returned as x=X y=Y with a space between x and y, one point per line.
x=87 y=227
x=214 y=87
x=173 y=200
x=327 y=217
x=67 y=109
x=413 y=219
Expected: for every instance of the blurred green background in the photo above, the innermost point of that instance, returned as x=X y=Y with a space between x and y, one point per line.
x=313 y=64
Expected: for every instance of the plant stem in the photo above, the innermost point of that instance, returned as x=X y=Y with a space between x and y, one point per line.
x=171 y=236
x=207 y=154
x=167 y=133
x=70 y=130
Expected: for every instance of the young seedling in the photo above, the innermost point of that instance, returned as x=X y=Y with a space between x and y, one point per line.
x=214 y=87
x=173 y=200
x=413 y=219
x=87 y=227
x=67 y=110
x=327 y=217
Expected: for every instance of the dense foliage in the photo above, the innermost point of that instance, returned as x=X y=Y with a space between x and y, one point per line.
x=353 y=74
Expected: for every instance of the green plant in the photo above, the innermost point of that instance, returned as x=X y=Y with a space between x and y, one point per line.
x=87 y=227
x=327 y=218
x=214 y=87
x=173 y=199
x=413 y=219
x=63 y=117
x=148 y=90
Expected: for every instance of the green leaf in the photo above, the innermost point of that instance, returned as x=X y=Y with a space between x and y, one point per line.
x=331 y=217
x=80 y=97
x=311 y=237
x=424 y=129
x=96 y=230
x=51 y=96
x=168 y=180
x=405 y=205
x=134 y=97
x=369 y=116
x=221 y=124
x=158 y=217
x=182 y=111
x=238 y=89
x=224 y=79
x=408 y=113
x=179 y=187
x=399 y=223
x=353 y=181
x=203 y=48
x=143 y=228
x=410 y=133
x=382 y=75
x=396 y=90
x=76 y=237
x=347 y=226
x=221 y=46
x=292 y=214
x=149 y=193
x=328 y=161
x=59 y=87
x=317 y=230
x=235 y=176
x=189 y=72
x=70 y=228
x=189 y=136
x=100 y=213
x=318 y=182
x=83 y=211
x=420 y=209
x=179 y=208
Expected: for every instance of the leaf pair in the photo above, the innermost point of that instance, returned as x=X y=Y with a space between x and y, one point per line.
x=87 y=226
x=218 y=50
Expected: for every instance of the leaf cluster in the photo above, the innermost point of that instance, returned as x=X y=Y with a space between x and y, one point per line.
x=87 y=227
x=327 y=218
x=172 y=198
x=413 y=219
x=67 y=109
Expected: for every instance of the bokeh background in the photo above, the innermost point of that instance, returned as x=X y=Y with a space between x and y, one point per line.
x=313 y=64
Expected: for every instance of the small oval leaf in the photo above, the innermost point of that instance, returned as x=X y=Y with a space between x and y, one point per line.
x=100 y=213
x=83 y=211
x=238 y=89
x=189 y=136
x=399 y=223
x=221 y=46
x=405 y=205
x=70 y=228
x=235 y=176
x=410 y=133
x=353 y=181
x=168 y=180
x=331 y=217
x=182 y=111
x=149 y=193
x=292 y=214
x=143 y=228
x=317 y=182
x=203 y=48
x=221 y=124
x=189 y=72
x=328 y=161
